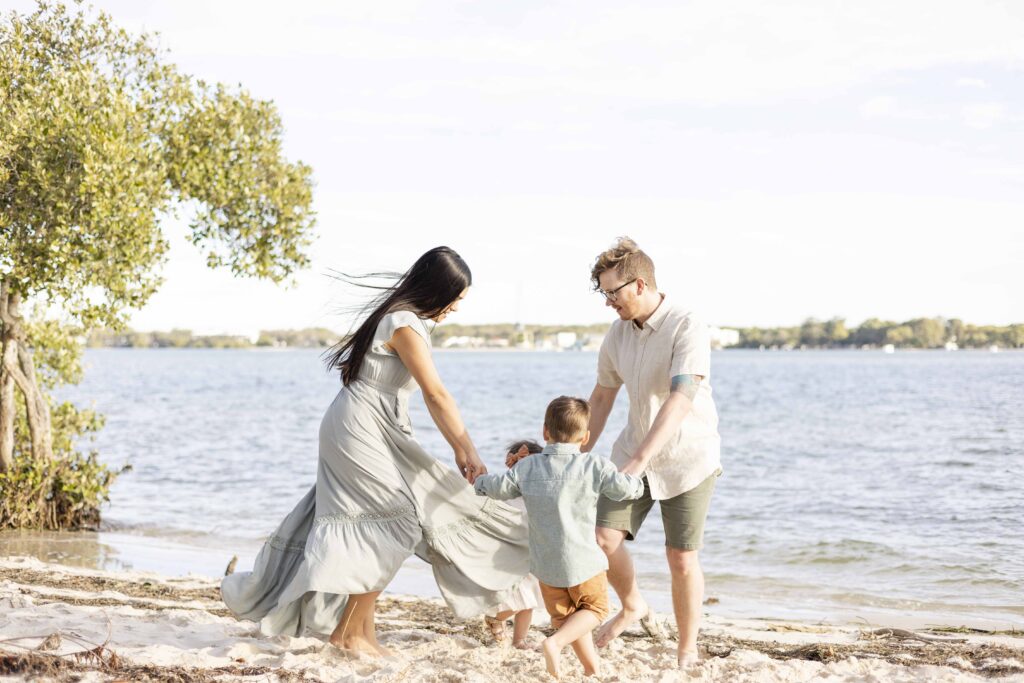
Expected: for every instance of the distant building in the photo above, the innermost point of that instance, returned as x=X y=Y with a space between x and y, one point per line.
x=565 y=340
x=723 y=337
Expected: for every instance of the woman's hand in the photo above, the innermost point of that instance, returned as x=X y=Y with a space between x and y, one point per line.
x=470 y=466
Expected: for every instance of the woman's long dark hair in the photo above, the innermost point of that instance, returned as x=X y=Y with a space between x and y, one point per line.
x=433 y=283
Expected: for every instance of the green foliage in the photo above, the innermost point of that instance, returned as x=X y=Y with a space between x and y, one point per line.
x=65 y=493
x=921 y=333
x=100 y=139
x=318 y=337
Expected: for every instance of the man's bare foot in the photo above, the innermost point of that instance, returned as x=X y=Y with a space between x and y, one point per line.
x=551 y=655
x=497 y=629
x=613 y=628
x=356 y=645
x=688 y=658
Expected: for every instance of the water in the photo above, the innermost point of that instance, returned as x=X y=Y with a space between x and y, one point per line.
x=856 y=485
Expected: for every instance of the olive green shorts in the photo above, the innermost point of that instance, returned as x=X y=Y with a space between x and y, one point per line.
x=683 y=516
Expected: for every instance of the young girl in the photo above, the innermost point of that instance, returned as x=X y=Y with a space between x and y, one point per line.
x=520 y=605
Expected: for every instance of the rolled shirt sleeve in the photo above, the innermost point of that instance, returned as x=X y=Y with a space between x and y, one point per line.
x=607 y=375
x=498 y=486
x=691 y=349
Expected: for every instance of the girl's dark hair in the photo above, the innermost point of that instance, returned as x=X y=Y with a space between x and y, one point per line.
x=433 y=283
x=532 y=447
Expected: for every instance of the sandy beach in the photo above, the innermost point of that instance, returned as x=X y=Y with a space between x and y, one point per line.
x=64 y=623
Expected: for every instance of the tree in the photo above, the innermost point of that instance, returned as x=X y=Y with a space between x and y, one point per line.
x=900 y=336
x=100 y=140
x=812 y=332
x=929 y=333
x=836 y=332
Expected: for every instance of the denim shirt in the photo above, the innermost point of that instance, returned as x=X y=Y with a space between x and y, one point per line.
x=560 y=487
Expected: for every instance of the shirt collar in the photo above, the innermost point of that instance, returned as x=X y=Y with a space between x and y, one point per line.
x=657 y=317
x=561 y=449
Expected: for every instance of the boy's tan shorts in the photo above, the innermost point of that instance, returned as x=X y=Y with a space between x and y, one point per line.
x=682 y=516
x=591 y=595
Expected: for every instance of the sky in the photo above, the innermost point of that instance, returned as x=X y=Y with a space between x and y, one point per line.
x=777 y=160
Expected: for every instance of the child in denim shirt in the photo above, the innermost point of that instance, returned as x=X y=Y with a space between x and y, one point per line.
x=560 y=486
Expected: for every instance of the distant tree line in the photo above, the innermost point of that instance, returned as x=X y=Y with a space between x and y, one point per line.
x=919 y=333
x=314 y=337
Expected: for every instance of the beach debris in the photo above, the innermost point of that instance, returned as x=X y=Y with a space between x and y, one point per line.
x=231 y=566
x=712 y=601
x=654 y=625
x=903 y=634
x=796 y=628
x=50 y=642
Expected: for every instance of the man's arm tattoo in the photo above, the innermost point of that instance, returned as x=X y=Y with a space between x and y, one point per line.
x=687 y=385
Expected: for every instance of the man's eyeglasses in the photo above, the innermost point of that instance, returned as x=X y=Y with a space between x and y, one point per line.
x=613 y=295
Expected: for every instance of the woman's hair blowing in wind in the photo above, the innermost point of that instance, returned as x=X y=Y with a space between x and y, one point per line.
x=433 y=283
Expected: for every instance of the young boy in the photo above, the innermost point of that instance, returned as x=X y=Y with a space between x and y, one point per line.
x=560 y=486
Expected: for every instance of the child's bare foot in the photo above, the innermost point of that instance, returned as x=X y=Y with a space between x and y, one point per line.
x=551 y=653
x=527 y=644
x=497 y=628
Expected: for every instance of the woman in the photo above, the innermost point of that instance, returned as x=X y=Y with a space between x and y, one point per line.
x=379 y=497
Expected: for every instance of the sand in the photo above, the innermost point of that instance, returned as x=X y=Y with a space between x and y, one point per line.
x=140 y=626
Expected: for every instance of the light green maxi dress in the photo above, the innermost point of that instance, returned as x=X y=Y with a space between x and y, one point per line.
x=379 y=498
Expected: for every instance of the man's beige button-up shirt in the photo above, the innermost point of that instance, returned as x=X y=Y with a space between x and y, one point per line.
x=672 y=342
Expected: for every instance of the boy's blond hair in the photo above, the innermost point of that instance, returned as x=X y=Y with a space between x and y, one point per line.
x=567 y=419
x=626 y=259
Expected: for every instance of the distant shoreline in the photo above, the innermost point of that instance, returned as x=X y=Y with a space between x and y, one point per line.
x=498 y=349
x=872 y=334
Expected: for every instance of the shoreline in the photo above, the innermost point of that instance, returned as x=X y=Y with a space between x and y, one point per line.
x=119 y=549
x=131 y=624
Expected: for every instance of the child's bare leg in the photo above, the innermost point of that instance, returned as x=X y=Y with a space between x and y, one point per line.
x=572 y=629
x=521 y=628
x=587 y=654
x=496 y=624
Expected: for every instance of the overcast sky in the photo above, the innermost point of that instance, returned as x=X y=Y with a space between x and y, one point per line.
x=778 y=160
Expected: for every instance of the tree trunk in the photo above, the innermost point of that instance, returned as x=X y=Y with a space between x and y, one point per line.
x=7 y=407
x=19 y=369
x=38 y=419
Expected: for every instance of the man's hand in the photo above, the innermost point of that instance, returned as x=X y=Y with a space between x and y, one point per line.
x=512 y=458
x=634 y=467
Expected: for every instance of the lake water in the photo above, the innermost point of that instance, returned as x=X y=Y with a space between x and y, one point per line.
x=857 y=485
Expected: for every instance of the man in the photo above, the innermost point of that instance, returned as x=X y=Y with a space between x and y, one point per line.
x=662 y=353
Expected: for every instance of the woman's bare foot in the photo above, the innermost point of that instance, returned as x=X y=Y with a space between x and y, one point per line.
x=383 y=651
x=497 y=629
x=551 y=655
x=613 y=628
x=356 y=645
x=688 y=658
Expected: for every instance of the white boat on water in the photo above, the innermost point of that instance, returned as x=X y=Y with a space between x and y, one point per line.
x=888 y=348
x=951 y=346
x=994 y=348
